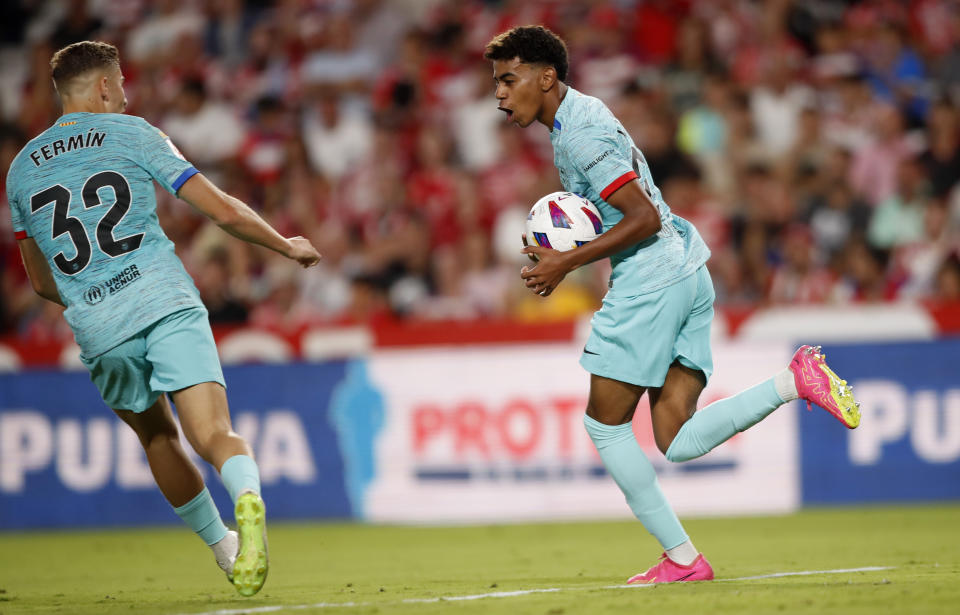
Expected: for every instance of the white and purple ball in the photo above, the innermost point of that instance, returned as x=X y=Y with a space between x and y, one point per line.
x=562 y=221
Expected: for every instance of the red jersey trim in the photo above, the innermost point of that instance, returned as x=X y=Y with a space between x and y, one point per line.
x=20 y=234
x=617 y=184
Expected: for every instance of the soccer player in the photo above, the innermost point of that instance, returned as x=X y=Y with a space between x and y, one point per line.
x=652 y=333
x=84 y=212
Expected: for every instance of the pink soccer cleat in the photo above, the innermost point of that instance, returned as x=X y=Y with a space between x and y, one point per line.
x=817 y=384
x=669 y=571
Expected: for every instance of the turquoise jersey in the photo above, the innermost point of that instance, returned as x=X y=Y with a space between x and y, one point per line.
x=83 y=190
x=595 y=156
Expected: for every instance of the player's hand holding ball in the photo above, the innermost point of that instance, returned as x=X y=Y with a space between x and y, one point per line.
x=302 y=251
x=557 y=223
x=549 y=271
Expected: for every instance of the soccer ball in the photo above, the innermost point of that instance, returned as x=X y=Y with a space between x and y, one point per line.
x=562 y=221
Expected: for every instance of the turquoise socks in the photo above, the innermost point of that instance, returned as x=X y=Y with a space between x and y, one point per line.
x=634 y=474
x=719 y=421
x=240 y=473
x=202 y=516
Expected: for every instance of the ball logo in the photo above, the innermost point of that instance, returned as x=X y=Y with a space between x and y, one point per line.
x=94 y=295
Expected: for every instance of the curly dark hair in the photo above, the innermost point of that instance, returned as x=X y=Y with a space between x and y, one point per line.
x=533 y=45
x=78 y=58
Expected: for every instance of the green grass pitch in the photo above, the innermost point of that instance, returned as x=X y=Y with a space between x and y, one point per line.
x=353 y=569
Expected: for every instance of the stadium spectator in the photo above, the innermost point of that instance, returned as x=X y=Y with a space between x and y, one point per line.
x=777 y=103
x=846 y=111
x=947 y=286
x=834 y=216
x=898 y=219
x=335 y=59
x=947 y=65
x=654 y=130
x=942 y=156
x=155 y=37
x=227 y=30
x=77 y=25
x=863 y=276
x=336 y=138
x=380 y=25
x=475 y=124
x=213 y=281
x=207 y=131
x=609 y=68
x=703 y=132
x=896 y=72
x=683 y=77
x=371 y=123
x=325 y=291
x=918 y=262
x=799 y=279
x=874 y=169
x=264 y=153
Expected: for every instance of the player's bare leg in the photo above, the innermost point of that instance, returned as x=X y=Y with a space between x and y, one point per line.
x=612 y=402
x=610 y=411
x=674 y=403
x=179 y=480
x=205 y=417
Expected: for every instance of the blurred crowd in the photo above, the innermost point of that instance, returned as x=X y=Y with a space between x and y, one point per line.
x=814 y=143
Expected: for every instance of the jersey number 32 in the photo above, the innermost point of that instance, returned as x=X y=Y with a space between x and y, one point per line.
x=64 y=223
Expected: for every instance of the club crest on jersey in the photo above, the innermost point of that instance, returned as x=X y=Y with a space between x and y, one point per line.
x=173 y=148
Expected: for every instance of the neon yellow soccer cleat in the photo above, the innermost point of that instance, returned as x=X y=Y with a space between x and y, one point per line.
x=250 y=569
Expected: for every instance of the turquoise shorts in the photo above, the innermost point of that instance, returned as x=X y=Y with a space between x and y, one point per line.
x=636 y=339
x=173 y=353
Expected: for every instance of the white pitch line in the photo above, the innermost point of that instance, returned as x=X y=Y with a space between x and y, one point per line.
x=509 y=594
x=803 y=573
x=518 y=592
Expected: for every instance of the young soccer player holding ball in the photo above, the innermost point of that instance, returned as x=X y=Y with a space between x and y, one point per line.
x=652 y=333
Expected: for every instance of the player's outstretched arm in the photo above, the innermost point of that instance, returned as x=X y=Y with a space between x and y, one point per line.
x=38 y=270
x=236 y=217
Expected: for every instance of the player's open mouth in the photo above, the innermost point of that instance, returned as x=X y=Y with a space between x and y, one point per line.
x=509 y=112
